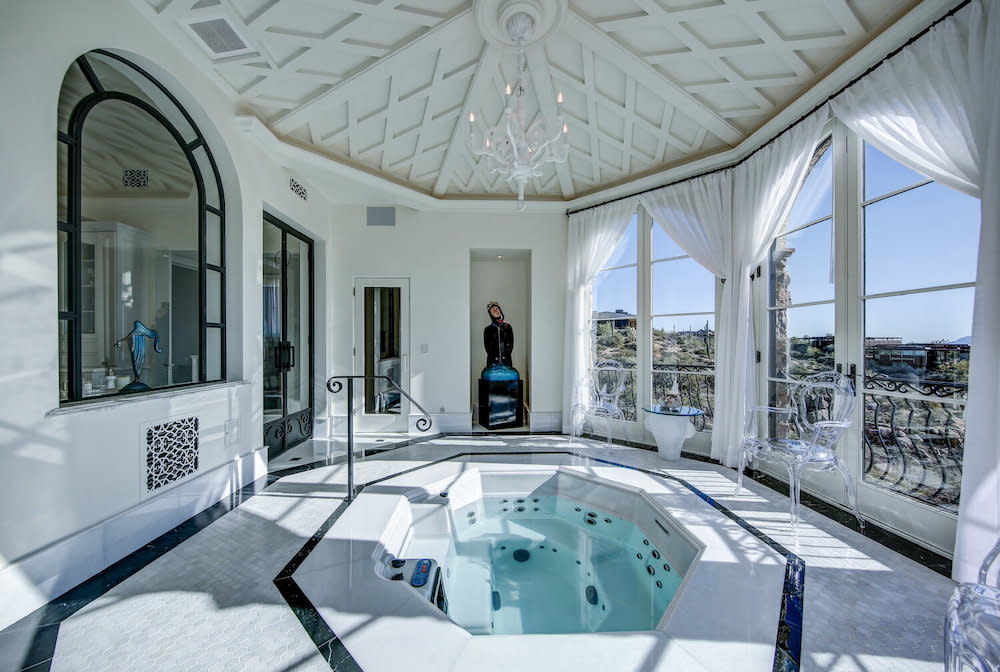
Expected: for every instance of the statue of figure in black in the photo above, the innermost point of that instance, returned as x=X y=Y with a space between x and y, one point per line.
x=498 y=338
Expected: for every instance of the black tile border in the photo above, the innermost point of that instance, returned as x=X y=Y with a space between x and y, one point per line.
x=788 y=640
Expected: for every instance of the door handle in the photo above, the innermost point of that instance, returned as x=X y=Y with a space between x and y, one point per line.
x=852 y=373
x=284 y=355
x=291 y=356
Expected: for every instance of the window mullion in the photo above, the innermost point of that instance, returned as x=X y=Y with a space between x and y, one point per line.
x=644 y=337
x=677 y=258
x=919 y=290
x=74 y=205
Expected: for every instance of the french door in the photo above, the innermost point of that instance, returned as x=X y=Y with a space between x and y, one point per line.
x=874 y=276
x=287 y=334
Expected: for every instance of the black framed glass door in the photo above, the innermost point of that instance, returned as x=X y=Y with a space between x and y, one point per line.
x=287 y=334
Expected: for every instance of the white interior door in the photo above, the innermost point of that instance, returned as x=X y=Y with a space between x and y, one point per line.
x=381 y=348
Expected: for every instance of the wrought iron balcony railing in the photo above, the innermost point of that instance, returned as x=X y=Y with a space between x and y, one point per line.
x=914 y=444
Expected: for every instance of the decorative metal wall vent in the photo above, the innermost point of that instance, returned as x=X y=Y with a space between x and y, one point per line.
x=298 y=189
x=135 y=178
x=171 y=452
x=219 y=36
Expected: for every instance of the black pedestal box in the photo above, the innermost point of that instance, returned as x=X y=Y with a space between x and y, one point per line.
x=501 y=403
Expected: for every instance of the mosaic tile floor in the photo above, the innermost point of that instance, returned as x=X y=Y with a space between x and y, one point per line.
x=210 y=603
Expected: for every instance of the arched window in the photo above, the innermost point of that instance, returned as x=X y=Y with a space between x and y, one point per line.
x=141 y=220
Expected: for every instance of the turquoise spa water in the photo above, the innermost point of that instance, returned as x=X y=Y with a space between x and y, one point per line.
x=551 y=565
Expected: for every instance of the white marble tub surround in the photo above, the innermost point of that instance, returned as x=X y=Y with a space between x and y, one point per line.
x=724 y=617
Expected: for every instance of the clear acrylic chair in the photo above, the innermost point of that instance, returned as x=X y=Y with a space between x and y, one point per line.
x=804 y=434
x=609 y=381
x=972 y=628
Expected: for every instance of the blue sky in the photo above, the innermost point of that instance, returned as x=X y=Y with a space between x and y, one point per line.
x=922 y=238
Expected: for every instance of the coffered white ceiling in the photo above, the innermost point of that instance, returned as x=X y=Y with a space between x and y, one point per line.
x=386 y=85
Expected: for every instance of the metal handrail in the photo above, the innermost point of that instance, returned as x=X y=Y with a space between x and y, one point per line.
x=334 y=385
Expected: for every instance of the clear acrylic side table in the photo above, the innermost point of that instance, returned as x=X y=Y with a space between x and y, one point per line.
x=670 y=426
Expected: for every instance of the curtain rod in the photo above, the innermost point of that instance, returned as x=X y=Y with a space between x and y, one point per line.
x=795 y=123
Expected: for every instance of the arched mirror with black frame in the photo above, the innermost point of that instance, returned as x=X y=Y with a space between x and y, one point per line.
x=141 y=222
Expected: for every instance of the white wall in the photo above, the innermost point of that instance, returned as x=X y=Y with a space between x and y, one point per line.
x=64 y=476
x=432 y=249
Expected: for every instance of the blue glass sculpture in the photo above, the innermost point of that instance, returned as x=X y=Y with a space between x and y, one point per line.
x=137 y=349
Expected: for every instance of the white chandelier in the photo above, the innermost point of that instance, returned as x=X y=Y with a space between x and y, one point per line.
x=515 y=148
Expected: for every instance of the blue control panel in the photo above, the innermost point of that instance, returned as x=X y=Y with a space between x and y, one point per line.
x=421 y=573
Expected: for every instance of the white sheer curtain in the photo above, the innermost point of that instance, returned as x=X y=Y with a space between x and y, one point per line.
x=697 y=215
x=726 y=222
x=593 y=236
x=764 y=190
x=933 y=107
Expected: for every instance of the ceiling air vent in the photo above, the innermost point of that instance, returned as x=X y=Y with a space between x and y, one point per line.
x=135 y=178
x=219 y=36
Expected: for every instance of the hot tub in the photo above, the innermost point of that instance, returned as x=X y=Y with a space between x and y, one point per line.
x=588 y=568
x=561 y=556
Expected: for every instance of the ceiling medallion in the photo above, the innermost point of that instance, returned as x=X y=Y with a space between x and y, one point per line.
x=517 y=147
x=492 y=17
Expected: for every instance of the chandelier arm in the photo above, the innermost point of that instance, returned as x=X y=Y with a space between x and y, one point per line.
x=538 y=155
x=511 y=137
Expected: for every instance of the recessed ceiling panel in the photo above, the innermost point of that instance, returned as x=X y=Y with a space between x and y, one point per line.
x=648 y=40
x=603 y=10
x=689 y=69
x=802 y=23
x=716 y=34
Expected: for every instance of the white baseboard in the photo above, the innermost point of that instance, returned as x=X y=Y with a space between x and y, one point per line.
x=35 y=579
x=451 y=423
x=546 y=422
